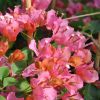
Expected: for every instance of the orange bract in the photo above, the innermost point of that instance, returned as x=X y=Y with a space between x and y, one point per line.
x=56 y=82
x=3 y=48
x=46 y=64
x=29 y=97
x=75 y=61
x=17 y=55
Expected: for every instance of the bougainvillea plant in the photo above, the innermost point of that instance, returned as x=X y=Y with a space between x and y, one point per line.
x=50 y=50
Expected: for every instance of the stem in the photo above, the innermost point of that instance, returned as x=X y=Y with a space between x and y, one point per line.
x=97 y=61
x=4 y=6
x=97 y=44
x=26 y=35
x=94 y=41
x=85 y=15
x=7 y=91
x=28 y=4
x=53 y=4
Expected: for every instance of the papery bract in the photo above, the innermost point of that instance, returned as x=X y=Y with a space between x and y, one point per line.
x=85 y=54
x=76 y=41
x=46 y=50
x=29 y=71
x=75 y=96
x=97 y=3
x=43 y=77
x=40 y=93
x=38 y=4
x=3 y=48
x=51 y=18
x=37 y=17
x=50 y=93
x=61 y=31
x=73 y=84
x=11 y=29
x=17 y=55
x=87 y=73
x=80 y=57
x=33 y=47
x=75 y=61
x=11 y=96
x=73 y=8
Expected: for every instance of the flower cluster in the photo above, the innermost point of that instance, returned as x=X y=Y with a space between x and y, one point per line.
x=61 y=62
x=68 y=65
x=73 y=8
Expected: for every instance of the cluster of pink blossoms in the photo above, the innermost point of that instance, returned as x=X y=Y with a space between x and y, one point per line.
x=53 y=65
x=72 y=8
x=67 y=65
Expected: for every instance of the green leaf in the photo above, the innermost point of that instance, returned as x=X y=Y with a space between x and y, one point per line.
x=1 y=84
x=4 y=72
x=2 y=98
x=54 y=44
x=65 y=2
x=77 y=25
x=41 y=32
x=18 y=67
x=19 y=94
x=12 y=3
x=28 y=55
x=63 y=91
x=9 y=81
x=91 y=92
x=23 y=86
x=3 y=5
x=94 y=26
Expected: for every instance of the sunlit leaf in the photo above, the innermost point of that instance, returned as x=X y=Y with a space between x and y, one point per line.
x=4 y=72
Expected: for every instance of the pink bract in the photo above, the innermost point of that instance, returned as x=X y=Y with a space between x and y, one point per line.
x=61 y=59
x=51 y=18
x=97 y=3
x=73 y=84
x=29 y=71
x=44 y=93
x=33 y=47
x=75 y=96
x=11 y=96
x=87 y=73
x=41 y=4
